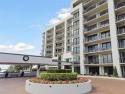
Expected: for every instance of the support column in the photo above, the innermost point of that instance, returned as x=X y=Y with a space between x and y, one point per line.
x=114 y=40
x=54 y=41
x=30 y=68
x=101 y=70
x=72 y=67
x=82 y=66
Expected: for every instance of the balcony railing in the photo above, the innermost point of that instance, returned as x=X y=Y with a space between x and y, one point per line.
x=76 y=43
x=96 y=15
x=96 y=39
x=122 y=46
x=95 y=6
x=96 y=50
x=58 y=52
x=60 y=27
x=75 y=52
x=57 y=46
x=75 y=34
x=121 y=31
x=120 y=4
x=86 y=1
x=99 y=61
x=57 y=40
x=59 y=34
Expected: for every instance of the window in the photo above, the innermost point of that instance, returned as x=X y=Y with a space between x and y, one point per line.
x=76 y=59
x=69 y=48
x=76 y=15
x=76 y=50
x=121 y=29
x=105 y=34
x=76 y=23
x=93 y=48
x=106 y=46
x=107 y=58
x=122 y=43
x=93 y=59
x=76 y=41
x=76 y=32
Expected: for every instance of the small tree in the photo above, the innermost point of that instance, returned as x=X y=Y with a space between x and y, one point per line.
x=115 y=73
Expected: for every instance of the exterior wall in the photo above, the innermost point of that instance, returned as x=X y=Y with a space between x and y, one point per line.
x=82 y=6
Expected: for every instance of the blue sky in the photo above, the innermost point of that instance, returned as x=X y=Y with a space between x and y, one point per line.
x=22 y=23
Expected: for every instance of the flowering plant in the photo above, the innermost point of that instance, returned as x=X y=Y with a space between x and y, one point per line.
x=78 y=80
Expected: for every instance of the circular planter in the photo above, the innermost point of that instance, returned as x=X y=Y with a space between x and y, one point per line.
x=77 y=88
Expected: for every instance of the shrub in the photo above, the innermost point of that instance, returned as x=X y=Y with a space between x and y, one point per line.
x=58 y=76
x=59 y=71
x=115 y=73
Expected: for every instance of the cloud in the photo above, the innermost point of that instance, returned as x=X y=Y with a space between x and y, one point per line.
x=54 y=21
x=36 y=26
x=61 y=15
x=17 y=47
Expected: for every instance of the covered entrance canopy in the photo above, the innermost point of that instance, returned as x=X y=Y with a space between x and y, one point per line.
x=10 y=58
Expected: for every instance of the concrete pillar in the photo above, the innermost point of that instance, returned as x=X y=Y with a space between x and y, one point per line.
x=114 y=40
x=54 y=41
x=72 y=67
x=82 y=66
x=65 y=35
x=30 y=68
x=62 y=67
x=101 y=70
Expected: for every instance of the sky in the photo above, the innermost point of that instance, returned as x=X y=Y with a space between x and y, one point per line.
x=23 y=21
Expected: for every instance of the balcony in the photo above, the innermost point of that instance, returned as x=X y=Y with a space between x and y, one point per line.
x=69 y=50
x=59 y=52
x=120 y=19
x=120 y=4
x=96 y=8
x=59 y=34
x=122 y=59
x=121 y=31
x=96 y=17
x=96 y=28
x=49 y=49
x=59 y=28
x=60 y=46
x=76 y=43
x=49 y=38
x=75 y=52
x=98 y=50
x=49 y=43
x=69 y=43
x=69 y=36
x=59 y=40
x=96 y=39
x=75 y=35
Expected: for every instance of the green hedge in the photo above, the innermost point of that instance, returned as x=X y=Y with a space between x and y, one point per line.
x=59 y=71
x=58 y=76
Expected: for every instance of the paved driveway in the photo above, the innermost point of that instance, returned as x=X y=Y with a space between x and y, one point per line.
x=100 y=86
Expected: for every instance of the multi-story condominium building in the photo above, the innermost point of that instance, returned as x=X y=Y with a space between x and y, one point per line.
x=93 y=37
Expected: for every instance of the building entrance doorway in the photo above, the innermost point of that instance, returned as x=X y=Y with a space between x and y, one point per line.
x=94 y=70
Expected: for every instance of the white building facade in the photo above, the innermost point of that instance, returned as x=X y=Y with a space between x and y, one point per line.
x=93 y=37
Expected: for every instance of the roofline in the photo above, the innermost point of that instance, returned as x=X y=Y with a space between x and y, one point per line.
x=57 y=24
x=23 y=54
